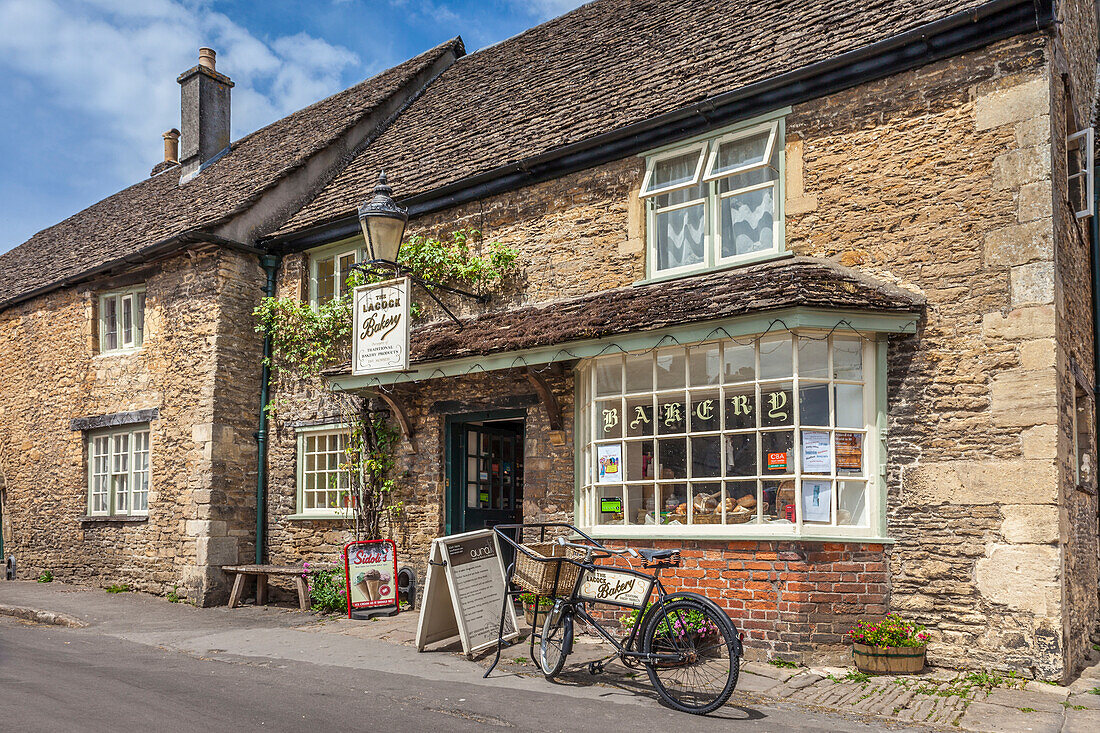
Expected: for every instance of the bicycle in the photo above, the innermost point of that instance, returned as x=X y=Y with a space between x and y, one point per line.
x=688 y=646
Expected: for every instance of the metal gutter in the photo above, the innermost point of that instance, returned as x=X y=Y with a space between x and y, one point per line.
x=947 y=37
x=153 y=252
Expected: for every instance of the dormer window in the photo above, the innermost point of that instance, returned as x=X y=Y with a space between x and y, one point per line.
x=122 y=320
x=715 y=201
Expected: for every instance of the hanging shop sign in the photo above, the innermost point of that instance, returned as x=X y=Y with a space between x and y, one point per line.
x=370 y=568
x=464 y=593
x=380 y=339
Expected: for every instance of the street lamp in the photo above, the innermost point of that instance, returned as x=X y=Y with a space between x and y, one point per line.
x=383 y=223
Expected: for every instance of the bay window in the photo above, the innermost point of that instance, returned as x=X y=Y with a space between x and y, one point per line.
x=769 y=435
x=715 y=202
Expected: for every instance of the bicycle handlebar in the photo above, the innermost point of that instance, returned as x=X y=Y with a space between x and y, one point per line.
x=592 y=548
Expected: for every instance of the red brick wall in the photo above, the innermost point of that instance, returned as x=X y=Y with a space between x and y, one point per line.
x=793 y=600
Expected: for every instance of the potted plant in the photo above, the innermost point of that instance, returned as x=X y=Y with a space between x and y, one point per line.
x=535 y=619
x=890 y=645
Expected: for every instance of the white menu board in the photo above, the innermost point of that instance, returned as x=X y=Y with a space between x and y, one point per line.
x=464 y=593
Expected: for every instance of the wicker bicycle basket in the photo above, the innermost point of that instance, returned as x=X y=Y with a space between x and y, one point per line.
x=538 y=574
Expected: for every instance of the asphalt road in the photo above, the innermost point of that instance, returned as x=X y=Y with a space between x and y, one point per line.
x=57 y=679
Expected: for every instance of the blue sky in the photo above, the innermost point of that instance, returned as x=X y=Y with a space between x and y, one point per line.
x=88 y=86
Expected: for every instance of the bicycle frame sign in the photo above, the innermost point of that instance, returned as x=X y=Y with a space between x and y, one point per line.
x=615 y=587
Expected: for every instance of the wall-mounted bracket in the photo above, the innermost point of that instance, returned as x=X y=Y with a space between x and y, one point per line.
x=550 y=402
x=397 y=407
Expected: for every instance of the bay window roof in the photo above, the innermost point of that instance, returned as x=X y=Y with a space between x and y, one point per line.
x=794 y=282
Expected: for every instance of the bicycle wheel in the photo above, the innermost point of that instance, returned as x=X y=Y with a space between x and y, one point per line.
x=556 y=642
x=702 y=669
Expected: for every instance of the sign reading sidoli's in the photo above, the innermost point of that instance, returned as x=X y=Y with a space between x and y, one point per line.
x=380 y=341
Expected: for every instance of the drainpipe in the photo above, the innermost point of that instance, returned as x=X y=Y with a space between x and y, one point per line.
x=270 y=263
x=1094 y=246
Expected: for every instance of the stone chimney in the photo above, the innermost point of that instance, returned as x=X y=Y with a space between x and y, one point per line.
x=204 y=110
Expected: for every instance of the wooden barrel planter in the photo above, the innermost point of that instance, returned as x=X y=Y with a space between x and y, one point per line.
x=889 y=659
x=535 y=620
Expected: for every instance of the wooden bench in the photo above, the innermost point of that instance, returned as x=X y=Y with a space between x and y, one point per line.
x=261 y=574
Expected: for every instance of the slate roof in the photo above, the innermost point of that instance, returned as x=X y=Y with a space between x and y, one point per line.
x=601 y=67
x=787 y=283
x=158 y=208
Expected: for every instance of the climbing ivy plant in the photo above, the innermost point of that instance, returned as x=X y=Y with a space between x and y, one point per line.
x=306 y=340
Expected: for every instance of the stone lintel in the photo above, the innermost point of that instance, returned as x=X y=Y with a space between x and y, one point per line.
x=115 y=419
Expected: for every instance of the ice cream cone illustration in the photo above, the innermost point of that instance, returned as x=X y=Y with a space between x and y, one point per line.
x=372 y=579
x=364 y=588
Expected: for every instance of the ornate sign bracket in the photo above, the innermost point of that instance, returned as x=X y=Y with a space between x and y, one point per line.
x=397 y=407
x=550 y=402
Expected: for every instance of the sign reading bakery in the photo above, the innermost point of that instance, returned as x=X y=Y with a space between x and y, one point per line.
x=371 y=572
x=380 y=339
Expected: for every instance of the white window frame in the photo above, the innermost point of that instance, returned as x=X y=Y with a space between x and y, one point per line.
x=116 y=465
x=708 y=147
x=317 y=431
x=651 y=165
x=135 y=298
x=873 y=458
x=1087 y=172
x=336 y=252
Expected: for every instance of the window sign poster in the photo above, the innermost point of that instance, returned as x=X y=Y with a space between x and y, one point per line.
x=371 y=572
x=849 y=451
x=815 y=452
x=380 y=341
x=609 y=463
x=817 y=501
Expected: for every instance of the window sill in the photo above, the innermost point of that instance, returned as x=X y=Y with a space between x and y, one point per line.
x=118 y=352
x=113 y=519
x=730 y=535
x=314 y=517
x=762 y=257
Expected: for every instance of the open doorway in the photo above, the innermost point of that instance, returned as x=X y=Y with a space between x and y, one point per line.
x=484 y=471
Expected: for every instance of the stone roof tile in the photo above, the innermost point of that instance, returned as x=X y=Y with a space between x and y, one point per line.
x=603 y=66
x=158 y=208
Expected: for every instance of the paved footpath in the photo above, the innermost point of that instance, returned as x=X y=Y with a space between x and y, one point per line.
x=767 y=697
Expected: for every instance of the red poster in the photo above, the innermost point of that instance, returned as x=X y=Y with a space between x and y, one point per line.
x=777 y=460
x=370 y=568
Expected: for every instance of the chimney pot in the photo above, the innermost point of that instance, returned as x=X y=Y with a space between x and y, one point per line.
x=172 y=146
x=206 y=58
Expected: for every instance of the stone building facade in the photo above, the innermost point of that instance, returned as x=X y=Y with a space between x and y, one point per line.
x=926 y=215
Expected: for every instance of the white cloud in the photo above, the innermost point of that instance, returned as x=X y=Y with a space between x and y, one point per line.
x=113 y=64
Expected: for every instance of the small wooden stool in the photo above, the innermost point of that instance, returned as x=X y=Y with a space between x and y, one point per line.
x=261 y=573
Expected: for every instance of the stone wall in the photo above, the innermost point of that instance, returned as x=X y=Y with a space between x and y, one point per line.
x=53 y=373
x=1072 y=91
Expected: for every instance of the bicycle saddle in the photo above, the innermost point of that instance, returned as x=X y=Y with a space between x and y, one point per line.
x=660 y=558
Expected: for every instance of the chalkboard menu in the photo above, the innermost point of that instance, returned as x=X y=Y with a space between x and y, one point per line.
x=464 y=593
